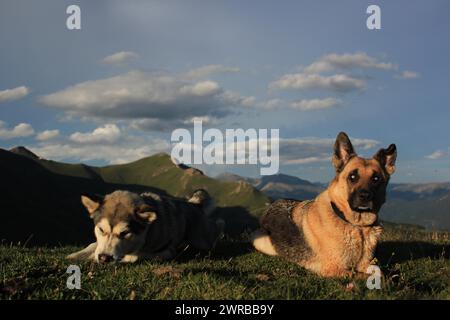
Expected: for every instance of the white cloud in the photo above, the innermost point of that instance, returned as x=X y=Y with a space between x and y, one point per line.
x=168 y=125
x=13 y=94
x=110 y=153
x=19 y=131
x=303 y=104
x=107 y=143
x=208 y=70
x=107 y=134
x=347 y=61
x=272 y=103
x=295 y=151
x=203 y=88
x=47 y=135
x=120 y=58
x=436 y=155
x=314 y=104
x=338 y=82
x=141 y=95
x=407 y=75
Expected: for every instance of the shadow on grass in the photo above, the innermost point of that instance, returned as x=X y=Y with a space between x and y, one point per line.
x=390 y=252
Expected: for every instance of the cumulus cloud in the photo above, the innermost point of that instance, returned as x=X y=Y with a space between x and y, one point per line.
x=110 y=153
x=303 y=104
x=168 y=125
x=142 y=95
x=314 y=104
x=407 y=75
x=13 y=94
x=339 y=82
x=47 y=135
x=107 y=143
x=107 y=134
x=208 y=70
x=295 y=151
x=19 y=131
x=120 y=58
x=347 y=61
x=317 y=75
x=436 y=155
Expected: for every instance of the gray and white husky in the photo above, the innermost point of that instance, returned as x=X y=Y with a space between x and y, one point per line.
x=131 y=227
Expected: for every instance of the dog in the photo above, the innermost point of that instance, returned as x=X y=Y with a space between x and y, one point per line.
x=334 y=235
x=131 y=227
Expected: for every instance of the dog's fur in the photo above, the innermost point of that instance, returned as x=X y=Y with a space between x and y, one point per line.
x=131 y=227
x=336 y=234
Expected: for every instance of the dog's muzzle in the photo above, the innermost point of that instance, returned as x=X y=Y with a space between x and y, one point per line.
x=105 y=258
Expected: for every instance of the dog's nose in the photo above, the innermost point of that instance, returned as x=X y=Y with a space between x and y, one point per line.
x=105 y=258
x=365 y=195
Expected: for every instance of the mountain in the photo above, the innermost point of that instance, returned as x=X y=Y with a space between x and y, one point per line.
x=425 y=204
x=42 y=197
x=285 y=186
x=20 y=150
x=279 y=185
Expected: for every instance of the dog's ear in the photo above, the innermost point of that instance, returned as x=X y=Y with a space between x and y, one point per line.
x=342 y=152
x=91 y=202
x=146 y=213
x=387 y=157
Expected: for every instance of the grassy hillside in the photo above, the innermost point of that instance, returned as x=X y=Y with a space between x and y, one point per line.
x=160 y=172
x=415 y=262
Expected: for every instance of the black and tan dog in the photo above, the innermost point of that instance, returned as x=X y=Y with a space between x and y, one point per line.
x=336 y=233
x=131 y=227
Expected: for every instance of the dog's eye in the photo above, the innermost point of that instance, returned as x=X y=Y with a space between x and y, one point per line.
x=124 y=234
x=101 y=230
x=376 y=179
x=353 y=177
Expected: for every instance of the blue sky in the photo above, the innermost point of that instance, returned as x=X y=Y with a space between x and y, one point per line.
x=113 y=91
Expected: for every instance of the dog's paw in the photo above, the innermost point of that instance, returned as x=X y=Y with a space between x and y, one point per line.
x=129 y=258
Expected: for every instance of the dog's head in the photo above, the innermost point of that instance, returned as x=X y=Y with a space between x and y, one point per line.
x=121 y=222
x=359 y=188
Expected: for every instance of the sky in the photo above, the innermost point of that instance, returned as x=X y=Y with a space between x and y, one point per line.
x=114 y=91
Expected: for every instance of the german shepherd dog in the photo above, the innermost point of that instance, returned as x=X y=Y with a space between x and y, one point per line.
x=334 y=235
x=131 y=227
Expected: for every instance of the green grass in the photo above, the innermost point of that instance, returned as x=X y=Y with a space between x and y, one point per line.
x=416 y=264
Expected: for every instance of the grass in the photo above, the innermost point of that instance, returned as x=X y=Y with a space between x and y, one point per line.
x=416 y=265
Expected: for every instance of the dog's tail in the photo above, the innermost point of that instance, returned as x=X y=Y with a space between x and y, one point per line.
x=202 y=198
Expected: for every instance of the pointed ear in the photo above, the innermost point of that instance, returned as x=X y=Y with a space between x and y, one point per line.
x=342 y=152
x=91 y=203
x=387 y=157
x=146 y=213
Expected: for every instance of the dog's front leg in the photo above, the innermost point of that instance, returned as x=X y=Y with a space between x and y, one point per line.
x=164 y=255
x=85 y=254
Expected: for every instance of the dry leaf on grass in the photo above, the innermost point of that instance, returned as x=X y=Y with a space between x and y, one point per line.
x=168 y=270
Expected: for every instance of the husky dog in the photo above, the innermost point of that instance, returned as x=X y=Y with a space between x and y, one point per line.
x=337 y=232
x=131 y=227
